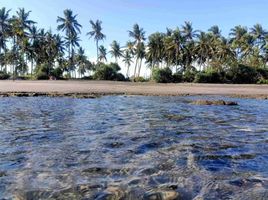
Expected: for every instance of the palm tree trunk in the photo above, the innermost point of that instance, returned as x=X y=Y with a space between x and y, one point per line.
x=127 y=75
x=1 y=60
x=32 y=68
x=15 y=57
x=136 y=64
x=97 y=46
x=139 y=68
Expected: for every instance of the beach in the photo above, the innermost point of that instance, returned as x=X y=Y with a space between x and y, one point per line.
x=62 y=88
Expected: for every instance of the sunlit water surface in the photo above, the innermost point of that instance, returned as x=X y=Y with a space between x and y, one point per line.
x=129 y=147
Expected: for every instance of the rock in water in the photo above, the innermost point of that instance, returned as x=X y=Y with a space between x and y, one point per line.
x=111 y=193
x=162 y=195
x=215 y=102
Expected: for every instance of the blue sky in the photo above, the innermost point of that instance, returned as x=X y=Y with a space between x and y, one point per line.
x=118 y=16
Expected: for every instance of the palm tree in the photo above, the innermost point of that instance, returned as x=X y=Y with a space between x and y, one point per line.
x=127 y=60
x=20 y=26
x=138 y=34
x=82 y=62
x=102 y=54
x=4 y=31
x=96 y=33
x=188 y=32
x=215 y=30
x=116 y=51
x=204 y=48
x=70 y=25
x=140 y=52
x=155 y=49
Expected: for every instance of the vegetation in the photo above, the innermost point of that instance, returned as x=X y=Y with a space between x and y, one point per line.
x=177 y=55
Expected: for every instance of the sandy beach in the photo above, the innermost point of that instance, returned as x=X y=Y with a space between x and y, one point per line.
x=129 y=88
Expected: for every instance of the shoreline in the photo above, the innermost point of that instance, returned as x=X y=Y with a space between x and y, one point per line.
x=93 y=89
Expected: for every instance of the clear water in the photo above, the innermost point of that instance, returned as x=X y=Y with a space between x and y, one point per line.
x=126 y=147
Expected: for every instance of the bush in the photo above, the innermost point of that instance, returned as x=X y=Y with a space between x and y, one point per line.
x=209 y=77
x=262 y=73
x=263 y=81
x=120 y=77
x=108 y=72
x=242 y=74
x=41 y=76
x=177 y=77
x=4 y=76
x=57 y=73
x=189 y=75
x=140 y=79
x=162 y=75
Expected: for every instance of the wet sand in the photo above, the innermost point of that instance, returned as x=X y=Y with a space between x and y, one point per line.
x=89 y=88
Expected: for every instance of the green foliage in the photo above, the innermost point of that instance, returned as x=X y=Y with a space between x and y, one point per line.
x=57 y=73
x=210 y=76
x=263 y=81
x=140 y=79
x=41 y=76
x=108 y=72
x=189 y=75
x=4 y=76
x=177 y=77
x=162 y=75
x=262 y=73
x=41 y=72
x=242 y=74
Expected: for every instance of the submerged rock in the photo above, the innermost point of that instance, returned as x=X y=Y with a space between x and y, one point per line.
x=111 y=193
x=175 y=117
x=162 y=195
x=215 y=102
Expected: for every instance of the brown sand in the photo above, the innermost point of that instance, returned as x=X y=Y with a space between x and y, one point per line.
x=108 y=87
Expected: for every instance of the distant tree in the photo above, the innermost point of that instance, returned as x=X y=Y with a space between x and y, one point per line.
x=97 y=34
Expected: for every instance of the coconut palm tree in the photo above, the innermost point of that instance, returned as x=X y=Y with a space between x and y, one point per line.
x=4 y=31
x=138 y=34
x=155 y=49
x=188 y=31
x=96 y=33
x=127 y=60
x=116 y=51
x=81 y=60
x=140 y=52
x=215 y=30
x=102 y=54
x=73 y=41
x=203 y=48
x=70 y=25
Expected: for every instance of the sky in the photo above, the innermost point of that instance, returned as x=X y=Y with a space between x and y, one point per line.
x=119 y=16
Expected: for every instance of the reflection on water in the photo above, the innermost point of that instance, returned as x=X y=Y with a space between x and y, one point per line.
x=133 y=147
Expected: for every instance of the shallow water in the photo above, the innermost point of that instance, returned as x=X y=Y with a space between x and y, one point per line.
x=130 y=147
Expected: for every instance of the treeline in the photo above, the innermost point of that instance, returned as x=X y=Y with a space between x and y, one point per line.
x=176 y=55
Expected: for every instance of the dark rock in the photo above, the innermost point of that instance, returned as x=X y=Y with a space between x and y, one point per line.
x=215 y=102
x=111 y=193
x=162 y=195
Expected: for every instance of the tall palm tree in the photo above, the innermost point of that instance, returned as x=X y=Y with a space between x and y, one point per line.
x=81 y=60
x=96 y=33
x=140 y=52
x=127 y=60
x=238 y=36
x=138 y=34
x=215 y=30
x=188 y=31
x=116 y=51
x=103 y=53
x=70 y=25
x=203 y=48
x=155 y=49
x=20 y=27
x=4 y=31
